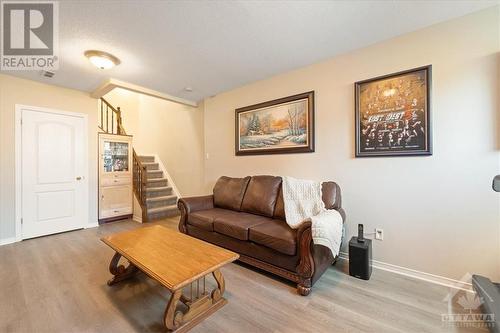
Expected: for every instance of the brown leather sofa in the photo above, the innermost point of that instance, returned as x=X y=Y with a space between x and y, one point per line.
x=247 y=215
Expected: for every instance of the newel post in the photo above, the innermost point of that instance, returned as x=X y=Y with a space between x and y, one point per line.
x=119 y=120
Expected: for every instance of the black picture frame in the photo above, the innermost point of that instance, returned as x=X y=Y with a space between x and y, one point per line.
x=390 y=125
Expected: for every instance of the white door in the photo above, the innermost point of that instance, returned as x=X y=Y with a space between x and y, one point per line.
x=54 y=169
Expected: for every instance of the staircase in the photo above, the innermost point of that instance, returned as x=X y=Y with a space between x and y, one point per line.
x=155 y=195
x=161 y=202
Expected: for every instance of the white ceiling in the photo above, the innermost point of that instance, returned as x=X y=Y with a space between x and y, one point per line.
x=214 y=46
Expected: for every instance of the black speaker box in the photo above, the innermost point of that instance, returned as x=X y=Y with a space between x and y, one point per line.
x=360 y=258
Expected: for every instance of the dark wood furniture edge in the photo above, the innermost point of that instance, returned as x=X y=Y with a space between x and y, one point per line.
x=294 y=277
x=115 y=218
x=305 y=269
x=183 y=220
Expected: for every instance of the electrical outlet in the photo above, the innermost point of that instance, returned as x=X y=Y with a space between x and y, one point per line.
x=379 y=234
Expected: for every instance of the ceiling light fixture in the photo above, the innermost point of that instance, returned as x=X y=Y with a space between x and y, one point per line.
x=101 y=59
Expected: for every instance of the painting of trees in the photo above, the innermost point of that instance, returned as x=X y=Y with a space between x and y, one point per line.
x=296 y=113
x=254 y=125
x=280 y=125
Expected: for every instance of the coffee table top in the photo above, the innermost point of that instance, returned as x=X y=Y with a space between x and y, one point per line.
x=171 y=258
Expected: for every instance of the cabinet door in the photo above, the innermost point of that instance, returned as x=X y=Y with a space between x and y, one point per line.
x=115 y=156
x=115 y=201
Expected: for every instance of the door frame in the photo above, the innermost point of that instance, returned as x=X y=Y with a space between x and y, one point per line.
x=18 y=161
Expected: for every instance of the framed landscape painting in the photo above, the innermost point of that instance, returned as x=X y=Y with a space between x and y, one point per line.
x=285 y=125
x=393 y=114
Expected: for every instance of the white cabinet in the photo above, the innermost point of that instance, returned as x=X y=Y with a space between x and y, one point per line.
x=115 y=177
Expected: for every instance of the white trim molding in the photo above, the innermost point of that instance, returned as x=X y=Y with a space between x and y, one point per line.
x=419 y=275
x=6 y=241
x=137 y=211
x=111 y=84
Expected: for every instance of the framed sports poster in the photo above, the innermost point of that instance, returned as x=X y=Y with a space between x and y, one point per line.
x=393 y=114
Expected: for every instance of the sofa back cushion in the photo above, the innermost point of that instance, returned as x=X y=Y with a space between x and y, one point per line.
x=330 y=192
x=279 y=209
x=331 y=195
x=228 y=192
x=261 y=195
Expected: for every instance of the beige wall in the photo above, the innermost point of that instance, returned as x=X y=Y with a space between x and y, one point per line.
x=20 y=91
x=171 y=130
x=438 y=213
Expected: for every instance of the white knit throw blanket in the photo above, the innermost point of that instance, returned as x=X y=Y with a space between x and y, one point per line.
x=303 y=202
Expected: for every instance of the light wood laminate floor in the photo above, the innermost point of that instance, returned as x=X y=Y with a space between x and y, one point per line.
x=58 y=284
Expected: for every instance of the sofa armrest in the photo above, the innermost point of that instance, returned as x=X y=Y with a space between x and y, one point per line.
x=313 y=259
x=342 y=213
x=193 y=204
x=305 y=269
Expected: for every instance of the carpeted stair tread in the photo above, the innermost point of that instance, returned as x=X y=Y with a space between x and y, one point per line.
x=158 y=189
x=151 y=166
x=146 y=159
x=156 y=180
x=165 y=197
x=162 y=209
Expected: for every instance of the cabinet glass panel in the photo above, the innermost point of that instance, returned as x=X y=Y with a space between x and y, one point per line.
x=115 y=156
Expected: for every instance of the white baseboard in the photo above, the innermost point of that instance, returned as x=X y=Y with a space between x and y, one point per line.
x=6 y=241
x=91 y=225
x=431 y=278
x=137 y=218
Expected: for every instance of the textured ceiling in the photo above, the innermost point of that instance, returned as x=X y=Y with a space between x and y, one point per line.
x=213 y=46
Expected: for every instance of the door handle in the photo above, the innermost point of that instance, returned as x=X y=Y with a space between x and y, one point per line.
x=78 y=178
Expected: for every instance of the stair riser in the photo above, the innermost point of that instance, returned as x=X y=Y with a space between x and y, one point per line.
x=147 y=159
x=152 y=166
x=156 y=174
x=157 y=184
x=161 y=193
x=162 y=215
x=155 y=204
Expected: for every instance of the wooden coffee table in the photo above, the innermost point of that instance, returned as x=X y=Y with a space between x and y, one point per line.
x=175 y=260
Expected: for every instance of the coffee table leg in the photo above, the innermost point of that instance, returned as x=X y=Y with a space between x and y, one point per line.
x=197 y=308
x=221 y=286
x=173 y=318
x=120 y=272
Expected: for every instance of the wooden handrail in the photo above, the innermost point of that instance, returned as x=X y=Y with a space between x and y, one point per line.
x=140 y=180
x=116 y=117
x=139 y=170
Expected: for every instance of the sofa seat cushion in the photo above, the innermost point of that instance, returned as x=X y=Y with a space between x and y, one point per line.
x=204 y=219
x=249 y=249
x=236 y=224
x=275 y=234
